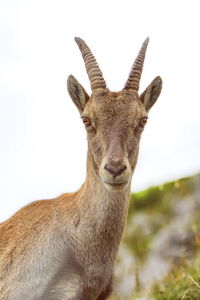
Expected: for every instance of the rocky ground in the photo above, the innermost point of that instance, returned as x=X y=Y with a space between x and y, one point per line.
x=161 y=243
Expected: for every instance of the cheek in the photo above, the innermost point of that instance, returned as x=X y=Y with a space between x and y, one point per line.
x=138 y=131
x=95 y=147
x=132 y=142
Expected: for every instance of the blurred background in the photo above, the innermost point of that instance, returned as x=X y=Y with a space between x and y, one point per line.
x=43 y=143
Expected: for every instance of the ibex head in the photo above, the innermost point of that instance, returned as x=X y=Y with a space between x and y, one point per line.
x=114 y=121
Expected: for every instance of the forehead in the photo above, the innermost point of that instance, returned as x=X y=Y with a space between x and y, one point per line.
x=110 y=106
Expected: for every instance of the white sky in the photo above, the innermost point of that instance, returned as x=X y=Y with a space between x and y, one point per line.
x=43 y=143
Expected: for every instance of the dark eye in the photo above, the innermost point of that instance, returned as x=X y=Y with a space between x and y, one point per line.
x=86 y=121
x=143 y=121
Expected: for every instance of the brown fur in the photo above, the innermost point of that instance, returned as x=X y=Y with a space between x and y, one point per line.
x=65 y=248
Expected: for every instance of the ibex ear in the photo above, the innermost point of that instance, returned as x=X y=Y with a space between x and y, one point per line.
x=77 y=93
x=151 y=94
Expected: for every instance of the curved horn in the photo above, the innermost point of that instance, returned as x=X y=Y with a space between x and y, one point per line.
x=136 y=71
x=93 y=70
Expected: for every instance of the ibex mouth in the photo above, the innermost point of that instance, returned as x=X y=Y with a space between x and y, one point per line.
x=116 y=185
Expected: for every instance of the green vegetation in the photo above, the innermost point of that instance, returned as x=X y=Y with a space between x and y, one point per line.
x=182 y=284
x=157 y=204
x=160 y=198
x=150 y=215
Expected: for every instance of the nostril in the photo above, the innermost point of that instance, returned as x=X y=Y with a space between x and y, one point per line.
x=115 y=170
x=124 y=168
x=108 y=168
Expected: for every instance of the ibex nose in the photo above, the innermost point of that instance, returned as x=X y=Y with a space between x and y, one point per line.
x=115 y=166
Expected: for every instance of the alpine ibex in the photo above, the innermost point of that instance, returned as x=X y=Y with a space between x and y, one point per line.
x=65 y=248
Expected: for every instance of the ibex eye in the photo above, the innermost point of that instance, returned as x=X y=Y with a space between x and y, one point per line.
x=143 y=122
x=86 y=121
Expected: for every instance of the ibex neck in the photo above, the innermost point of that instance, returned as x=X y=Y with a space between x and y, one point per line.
x=102 y=216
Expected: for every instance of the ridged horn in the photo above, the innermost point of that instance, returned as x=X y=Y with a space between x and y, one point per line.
x=93 y=70
x=136 y=71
